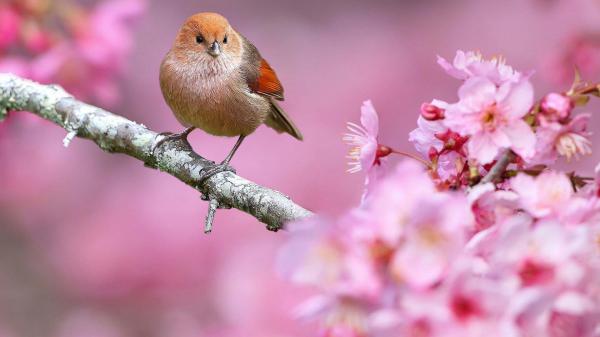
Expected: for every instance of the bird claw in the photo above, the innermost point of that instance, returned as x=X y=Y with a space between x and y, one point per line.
x=161 y=138
x=169 y=137
x=211 y=171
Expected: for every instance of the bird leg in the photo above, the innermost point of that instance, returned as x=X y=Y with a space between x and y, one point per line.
x=167 y=136
x=224 y=166
x=232 y=152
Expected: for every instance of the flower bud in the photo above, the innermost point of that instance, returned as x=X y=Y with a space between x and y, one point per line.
x=431 y=112
x=433 y=153
x=556 y=107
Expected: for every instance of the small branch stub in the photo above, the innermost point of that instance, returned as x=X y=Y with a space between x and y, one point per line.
x=213 y=204
x=69 y=138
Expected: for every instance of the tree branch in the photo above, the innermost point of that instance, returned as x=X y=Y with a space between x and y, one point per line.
x=114 y=133
x=499 y=167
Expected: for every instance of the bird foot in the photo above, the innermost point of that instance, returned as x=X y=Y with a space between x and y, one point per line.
x=169 y=137
x=209 y=172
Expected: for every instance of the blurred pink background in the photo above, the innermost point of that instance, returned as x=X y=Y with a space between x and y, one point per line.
x=97 y=245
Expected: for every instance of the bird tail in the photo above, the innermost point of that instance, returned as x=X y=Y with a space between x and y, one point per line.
x=281 y=122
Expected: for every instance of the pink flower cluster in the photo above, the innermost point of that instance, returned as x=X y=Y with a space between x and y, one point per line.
x=496 y=112
x=518 y=256
x=416 y=261
x=83 y=49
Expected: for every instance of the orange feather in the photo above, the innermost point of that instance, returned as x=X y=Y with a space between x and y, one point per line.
x=267 y=83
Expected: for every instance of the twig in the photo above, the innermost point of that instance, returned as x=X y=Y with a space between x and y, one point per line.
x=114 y=133
x=213 y=204
x=498 y=169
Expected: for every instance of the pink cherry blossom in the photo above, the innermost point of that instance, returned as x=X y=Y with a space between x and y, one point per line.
x=472 y=64
x=544 y=195
x=492 y=117
x=392 y=209
x=545 y=261
x=314 y=256
x=363 y=139
x=424 y=136
x=435 y=234
x=432 y=136
x=462 y=305
x=490 y=206
x=573 y=144
x=347 y=320
x=569 y=140
x=318 y=256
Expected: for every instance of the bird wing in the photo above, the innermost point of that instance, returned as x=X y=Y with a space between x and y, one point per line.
x=266 y=82
x=281 y=122
x=262 y=79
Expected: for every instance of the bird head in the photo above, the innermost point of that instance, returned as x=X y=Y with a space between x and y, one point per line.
x=209 y=37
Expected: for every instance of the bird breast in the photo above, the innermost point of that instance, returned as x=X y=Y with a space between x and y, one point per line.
x=212 y=94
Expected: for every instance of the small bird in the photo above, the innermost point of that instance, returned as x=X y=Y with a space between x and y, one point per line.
x=214 y=79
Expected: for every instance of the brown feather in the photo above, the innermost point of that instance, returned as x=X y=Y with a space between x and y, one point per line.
x=281 y=122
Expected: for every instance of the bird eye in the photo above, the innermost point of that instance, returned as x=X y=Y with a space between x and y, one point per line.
x=199 y=39
x=225 y=39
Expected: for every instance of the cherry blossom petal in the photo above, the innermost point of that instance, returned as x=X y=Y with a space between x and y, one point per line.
x=369 y=118
x=477 y=92
x=522 y=138
x=482 y=147
x=519 y=100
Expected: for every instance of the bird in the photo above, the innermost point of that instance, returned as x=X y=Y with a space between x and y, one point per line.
x=215 y=79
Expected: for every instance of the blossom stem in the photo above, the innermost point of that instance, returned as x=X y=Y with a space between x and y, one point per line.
x=590 y=89
x=420 y=160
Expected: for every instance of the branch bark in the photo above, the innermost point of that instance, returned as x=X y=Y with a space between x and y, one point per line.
x=117 y=134
x=499 y=167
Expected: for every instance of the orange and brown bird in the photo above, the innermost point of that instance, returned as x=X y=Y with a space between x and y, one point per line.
x=214 y=79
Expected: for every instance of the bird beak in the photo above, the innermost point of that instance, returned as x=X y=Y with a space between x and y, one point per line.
x=214 y=49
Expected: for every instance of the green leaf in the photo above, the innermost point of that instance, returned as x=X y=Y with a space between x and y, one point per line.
x=577 y=81
x=580 y=100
